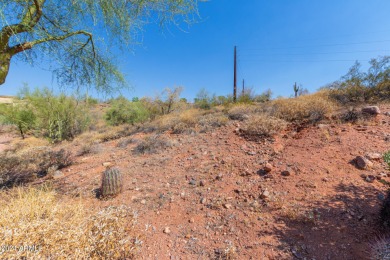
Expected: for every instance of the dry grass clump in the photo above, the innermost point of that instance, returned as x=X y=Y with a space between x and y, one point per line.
x=46 y=228
x=312 y=108
x=263 y=125
x=29 y=143
x=28 y=165
x=210 y=121
x=152 y=144
x=241 y=112
x=90 y=148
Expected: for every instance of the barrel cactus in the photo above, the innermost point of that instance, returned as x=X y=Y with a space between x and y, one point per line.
x=112 y=183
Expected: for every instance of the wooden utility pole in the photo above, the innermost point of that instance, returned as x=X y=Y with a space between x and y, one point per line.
x=243 y=87
x=235 y=75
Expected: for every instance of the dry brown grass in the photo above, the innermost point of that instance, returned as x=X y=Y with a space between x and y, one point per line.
x=35 y=219
x=263 y=125
x=26 y=166
x=313 y=107
x=242 y=111
x=153 y=144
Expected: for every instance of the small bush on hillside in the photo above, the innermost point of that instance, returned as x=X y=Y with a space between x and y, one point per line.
x=122 y=111
x=20 y=115
x=203 y=99
x=211 y=121
x=63 y=229
x=386 y=158
x=152 y=144
x=311 y=108
x=241 y=112
x=57 y=117
x=25 y=167
x=263 y=125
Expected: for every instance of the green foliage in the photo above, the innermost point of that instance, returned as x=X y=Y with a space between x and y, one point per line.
x=122 y=111
x=57 y=117
x=386 y=158
x=203 y=99
x=264 y=97
x=65 y=31
x=19 y=115
x=359 y=87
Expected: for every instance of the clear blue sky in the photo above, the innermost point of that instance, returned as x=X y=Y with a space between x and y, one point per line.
x=279 y=42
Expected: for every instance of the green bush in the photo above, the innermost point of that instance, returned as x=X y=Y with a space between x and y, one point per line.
x=386 y=158
x=122 y=111
x=57 y=117
x=19 y=115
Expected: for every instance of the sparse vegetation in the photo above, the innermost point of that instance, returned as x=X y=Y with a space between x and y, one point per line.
x=122 y=111
x=152 y=144
x=25 y=167
x=386 y=158
x=263 y=126
x=309 y=108
x=63 y=229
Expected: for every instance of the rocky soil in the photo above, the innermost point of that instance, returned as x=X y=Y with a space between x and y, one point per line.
x=220 y=195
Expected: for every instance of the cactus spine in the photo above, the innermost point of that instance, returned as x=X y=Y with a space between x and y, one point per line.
x=112 y=182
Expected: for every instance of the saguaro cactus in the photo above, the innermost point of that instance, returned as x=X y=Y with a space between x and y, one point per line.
x=112 y=182
x=296 y=89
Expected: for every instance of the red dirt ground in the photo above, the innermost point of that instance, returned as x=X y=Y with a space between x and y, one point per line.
x=202 y=198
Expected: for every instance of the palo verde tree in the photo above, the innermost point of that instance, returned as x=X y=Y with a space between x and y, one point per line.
x=77 y=36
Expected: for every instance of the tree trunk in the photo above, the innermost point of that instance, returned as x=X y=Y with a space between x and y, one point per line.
x=5 y=60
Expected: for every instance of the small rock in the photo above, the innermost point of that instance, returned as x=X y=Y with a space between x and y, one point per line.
x=373 y=156
x=203 y=200
x=252 y=153
x=363 y=163
x=381 y=197
x=320 y=126
x=286 y=172
x=219 y=177
x=387 y=113
x=227 y=205
x=192 y=182
x=143 y=202
x=57 y=175
x=370 y=178
x=265 y=194
x=381 y=176
x=202 y=183
x=167 y=230
x=268 y=167
x=107 y=164
x=191 y=220
x=372 y=110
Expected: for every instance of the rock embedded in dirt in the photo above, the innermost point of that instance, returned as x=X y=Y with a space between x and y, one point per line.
x=370 y=178
x=57 y=175
x=202 y=183
x=374 y=156
x=227 y=205
x=372 y=110
x=192 y=182
x=203 y=200
x=363 y=163
x=167 y=230
x=268 y=167
x=265 y=194
x=107 y=164
x=286 y=172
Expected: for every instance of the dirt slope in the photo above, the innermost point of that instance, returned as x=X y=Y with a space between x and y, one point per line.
x=208 y=196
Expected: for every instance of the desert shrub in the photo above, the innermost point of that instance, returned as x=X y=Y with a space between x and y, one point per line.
x=211 y=121
x=203 y=99
x=312 y=108
x=263 y=125
x=57 y=117
x=352 y=115
x=26 y=166
x=63 y=229
x=380 y=249
x=122 y=111
x=152 y=144
x=241 y=111
x=90 y=148
x=386 y=158
x=20 y=115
